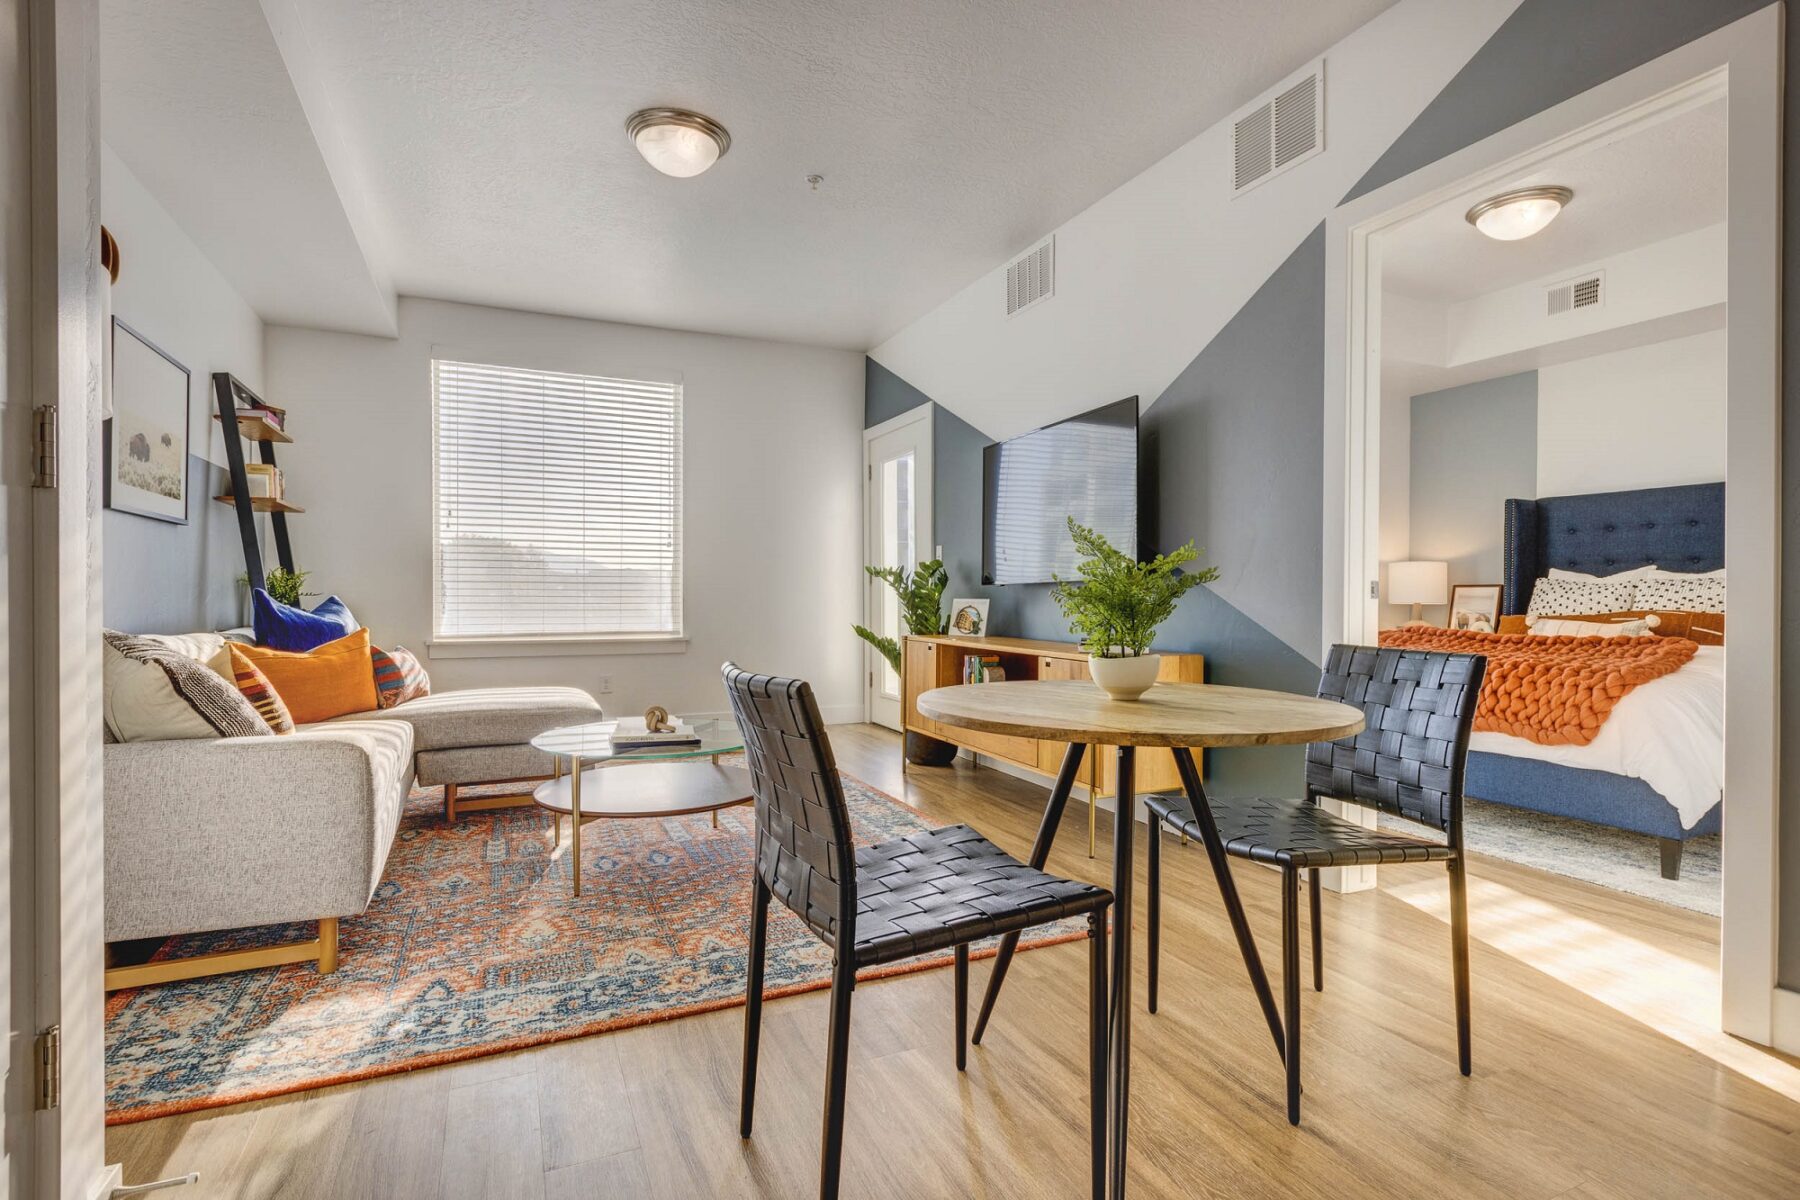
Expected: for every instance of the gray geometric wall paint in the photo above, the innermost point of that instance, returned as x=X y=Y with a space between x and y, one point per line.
x=1546 y=52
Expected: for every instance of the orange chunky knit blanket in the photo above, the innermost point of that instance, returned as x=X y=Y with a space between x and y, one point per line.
x=1555 y=691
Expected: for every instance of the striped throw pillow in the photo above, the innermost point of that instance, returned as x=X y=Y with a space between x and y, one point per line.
x=399 y=677
x=259 y=691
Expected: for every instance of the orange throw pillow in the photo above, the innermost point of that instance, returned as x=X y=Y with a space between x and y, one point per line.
x=324 y=682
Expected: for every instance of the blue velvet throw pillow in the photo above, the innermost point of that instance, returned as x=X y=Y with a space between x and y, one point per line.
x=284 y=627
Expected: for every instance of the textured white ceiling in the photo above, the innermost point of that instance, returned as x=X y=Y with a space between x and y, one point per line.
x=484 y=141
x=1654 y=184
x=196 y=99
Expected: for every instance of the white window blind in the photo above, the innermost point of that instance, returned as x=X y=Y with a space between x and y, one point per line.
x=558 y=504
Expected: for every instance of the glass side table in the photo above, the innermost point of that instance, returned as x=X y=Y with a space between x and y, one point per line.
x=674 y=780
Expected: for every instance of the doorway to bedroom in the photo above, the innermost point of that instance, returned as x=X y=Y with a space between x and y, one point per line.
x=1546 y=354
x=1552 y=464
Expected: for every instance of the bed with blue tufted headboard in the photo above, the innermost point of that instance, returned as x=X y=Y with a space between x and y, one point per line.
x=1675 y=528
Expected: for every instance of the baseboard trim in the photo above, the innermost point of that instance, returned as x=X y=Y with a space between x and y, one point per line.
x=1784 y=1021
x=111 y=1177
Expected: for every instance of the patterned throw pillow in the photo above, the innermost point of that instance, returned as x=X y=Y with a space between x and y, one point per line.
x=1682 y=593
x=153 y=693
x=259 y=691
x=328 y=681
x=1579 y=597
x=398 y=676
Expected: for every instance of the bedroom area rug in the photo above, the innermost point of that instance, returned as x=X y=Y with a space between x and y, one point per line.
x=1611 y=858
x=474 y=945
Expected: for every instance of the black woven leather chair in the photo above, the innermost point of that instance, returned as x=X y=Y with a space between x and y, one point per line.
x=1407 y=761
x=927 y=893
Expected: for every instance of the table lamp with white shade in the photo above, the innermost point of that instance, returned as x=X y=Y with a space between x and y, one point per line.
x=1418 y=584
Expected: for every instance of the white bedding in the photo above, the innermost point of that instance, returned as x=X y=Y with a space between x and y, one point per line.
x=1669 y=732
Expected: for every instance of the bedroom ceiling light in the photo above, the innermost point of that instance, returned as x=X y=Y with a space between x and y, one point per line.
x=1514 y=215
x=676 y=141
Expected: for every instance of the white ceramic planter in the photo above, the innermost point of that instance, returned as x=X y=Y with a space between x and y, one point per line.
x=1125 y=678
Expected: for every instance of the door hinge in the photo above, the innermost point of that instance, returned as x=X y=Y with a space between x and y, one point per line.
x=49 y=1067
x=43 y=446
x=1374 y=589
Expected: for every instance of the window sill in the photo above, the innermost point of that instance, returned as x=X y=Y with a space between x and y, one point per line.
x=551 y=647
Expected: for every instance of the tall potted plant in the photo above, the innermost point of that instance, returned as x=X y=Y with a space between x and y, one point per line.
x=921 y=593
x=1117 y=605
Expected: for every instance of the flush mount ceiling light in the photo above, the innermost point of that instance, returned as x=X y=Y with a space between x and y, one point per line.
x=1514 y=215
x=677 y=142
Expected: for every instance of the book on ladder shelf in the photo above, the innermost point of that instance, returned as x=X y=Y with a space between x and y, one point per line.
x=255 y=487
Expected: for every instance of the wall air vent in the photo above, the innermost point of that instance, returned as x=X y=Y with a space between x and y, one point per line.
x=1279 y=132
x=1587 y=292
x=1032 y=278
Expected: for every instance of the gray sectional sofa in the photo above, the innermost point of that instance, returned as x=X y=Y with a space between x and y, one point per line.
x=229 y=833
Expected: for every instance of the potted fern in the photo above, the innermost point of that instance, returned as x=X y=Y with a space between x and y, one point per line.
x=1117 y=605
x=921 y=593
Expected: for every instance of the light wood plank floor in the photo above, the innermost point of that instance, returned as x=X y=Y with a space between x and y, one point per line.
x=1598 y=1073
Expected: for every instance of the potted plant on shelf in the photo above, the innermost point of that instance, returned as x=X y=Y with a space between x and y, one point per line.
x=921 y=593
x=1117 y=605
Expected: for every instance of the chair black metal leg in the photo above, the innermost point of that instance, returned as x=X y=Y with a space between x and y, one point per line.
x=1153 y=901
x=837 y=1066
x=1119 y=1056
x=962 y=1007
x=1318 y=929
x=1234 y=907
x=1459 y=959
x=753 y=996
x=1040 y=854
x=1097 y=1048
x=1290 y=984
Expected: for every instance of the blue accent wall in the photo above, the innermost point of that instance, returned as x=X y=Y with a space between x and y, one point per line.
x=167 y=578
x=1457 y=489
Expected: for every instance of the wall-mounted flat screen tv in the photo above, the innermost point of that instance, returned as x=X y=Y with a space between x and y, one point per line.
x=1085 y=467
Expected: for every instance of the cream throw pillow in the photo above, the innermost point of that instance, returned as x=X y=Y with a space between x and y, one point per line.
x=153 y=693
x=1554 y=627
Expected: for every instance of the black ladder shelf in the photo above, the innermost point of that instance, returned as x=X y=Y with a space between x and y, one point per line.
x=228 y=390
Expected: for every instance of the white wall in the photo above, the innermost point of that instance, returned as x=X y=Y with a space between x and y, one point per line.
x=173 y=295
x=161 y=577
x=1151 y=272
x=1647 y=417
x=772 y=494
x=1395 y=518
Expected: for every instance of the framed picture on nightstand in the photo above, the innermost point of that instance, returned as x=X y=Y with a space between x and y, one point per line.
x=1475 y=607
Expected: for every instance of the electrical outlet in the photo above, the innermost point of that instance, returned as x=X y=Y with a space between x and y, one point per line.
x=604 y=686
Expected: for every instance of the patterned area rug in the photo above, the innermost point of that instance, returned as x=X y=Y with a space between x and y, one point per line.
x=474 y=946
x=1612 y=858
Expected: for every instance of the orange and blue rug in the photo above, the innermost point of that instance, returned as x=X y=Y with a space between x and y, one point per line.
x=474 y=945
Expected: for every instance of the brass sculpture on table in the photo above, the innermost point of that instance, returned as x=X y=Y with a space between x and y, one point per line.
x=656 y=719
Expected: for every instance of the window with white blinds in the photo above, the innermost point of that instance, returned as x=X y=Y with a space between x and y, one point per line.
x=558 y=504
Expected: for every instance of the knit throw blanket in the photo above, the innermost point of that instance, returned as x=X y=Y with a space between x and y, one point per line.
x=1555 y=691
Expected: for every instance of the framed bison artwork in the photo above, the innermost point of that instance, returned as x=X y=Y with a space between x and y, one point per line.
x=147 y=436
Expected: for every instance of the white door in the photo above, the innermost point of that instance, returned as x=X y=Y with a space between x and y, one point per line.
x=50 y=365
x=897 y=533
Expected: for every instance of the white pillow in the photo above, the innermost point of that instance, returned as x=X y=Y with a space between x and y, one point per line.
x=1675 y=592
x=1634 y=573
x=1578 y=597
x=152 y=693
x=1639 y=627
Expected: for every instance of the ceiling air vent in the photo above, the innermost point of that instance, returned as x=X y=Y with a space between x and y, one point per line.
x=1586 y=292
x=1280 y=132
x=1032 y=278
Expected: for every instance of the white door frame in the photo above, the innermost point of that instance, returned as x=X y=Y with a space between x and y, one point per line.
x=63 y=855
x=1745 y=58
x=922 y=515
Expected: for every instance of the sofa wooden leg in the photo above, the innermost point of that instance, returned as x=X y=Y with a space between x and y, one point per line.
x=323 y=950
x=450 y=802
x=328 y=935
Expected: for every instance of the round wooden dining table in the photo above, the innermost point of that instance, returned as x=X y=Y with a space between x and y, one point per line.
x=1181 y=717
